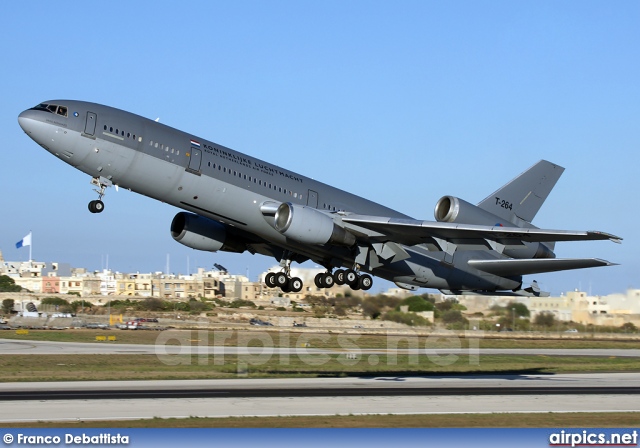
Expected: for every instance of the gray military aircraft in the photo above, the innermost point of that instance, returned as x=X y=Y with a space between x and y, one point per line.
x=234 y=202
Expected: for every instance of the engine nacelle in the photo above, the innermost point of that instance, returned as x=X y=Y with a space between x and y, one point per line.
x=200 y=233
x=308 y=225
x=456 y=210
x=452 y=209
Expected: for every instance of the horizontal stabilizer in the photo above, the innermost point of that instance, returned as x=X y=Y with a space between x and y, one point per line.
x=519 y=293
x=508 y=268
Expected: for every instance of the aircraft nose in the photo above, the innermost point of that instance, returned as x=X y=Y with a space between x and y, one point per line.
x=25 y=120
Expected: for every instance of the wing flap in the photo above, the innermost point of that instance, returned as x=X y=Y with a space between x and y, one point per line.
x=507 y=268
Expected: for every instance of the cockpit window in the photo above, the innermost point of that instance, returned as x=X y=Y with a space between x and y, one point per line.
x=41 y=106
x=52 y=108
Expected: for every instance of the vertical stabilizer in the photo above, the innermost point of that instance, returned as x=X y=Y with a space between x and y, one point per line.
x=520 y=199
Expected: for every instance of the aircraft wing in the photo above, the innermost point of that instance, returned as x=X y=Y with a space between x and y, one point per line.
x=411 y=232
x=506 y=268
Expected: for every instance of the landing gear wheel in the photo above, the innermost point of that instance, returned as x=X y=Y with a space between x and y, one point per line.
x=96 y=206
x=327 y=279
x=318 y=281
x=338 y=277
x=270 y=280
x=281 y=279
x=295 y=284
x=350 y=277
x=366 y=282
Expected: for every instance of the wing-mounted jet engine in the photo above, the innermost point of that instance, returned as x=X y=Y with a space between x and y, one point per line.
x=310 y=226
x=201 y=233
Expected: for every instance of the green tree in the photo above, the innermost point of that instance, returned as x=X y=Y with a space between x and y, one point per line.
x=520 y=309
x=8 y=285
x=545 y=319
x=629 y=327
x=453 y=316
x=55 y=301
x=7 y=305
x=152 y=304
x=416 y=304
x=411 y=319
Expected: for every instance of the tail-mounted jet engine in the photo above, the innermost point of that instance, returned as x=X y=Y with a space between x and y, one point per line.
x=308 y=225
x=200 y=233
x=456 y=210
x=452 y=209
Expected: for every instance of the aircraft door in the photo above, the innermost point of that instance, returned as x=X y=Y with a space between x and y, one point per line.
x=312 y=199
x=195 y=160
x=90 y=125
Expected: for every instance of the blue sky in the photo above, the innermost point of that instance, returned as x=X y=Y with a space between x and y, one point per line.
x=401 y=102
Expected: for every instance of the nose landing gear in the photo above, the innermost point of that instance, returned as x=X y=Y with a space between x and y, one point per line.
x=97 y=206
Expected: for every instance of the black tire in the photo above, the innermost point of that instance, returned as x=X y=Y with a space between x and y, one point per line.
x=350 y=277
x=98 y=206
x=295 y=284
x=270 y=280
x=338 y=277
x=286 y=288
x=281 y=279
x=318 y=281
x=366 y=282
x=92 y=207
x=327 y=280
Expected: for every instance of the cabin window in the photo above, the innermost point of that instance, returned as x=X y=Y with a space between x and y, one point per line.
x=105 y=127
x=110 y=128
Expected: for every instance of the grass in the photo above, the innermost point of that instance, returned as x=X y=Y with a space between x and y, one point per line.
x=150 y=367
x=252 y=337
x=521 y=420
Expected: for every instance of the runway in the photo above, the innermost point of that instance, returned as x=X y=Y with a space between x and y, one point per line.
x=604 y=392
x=243 y=397
x=13 y=347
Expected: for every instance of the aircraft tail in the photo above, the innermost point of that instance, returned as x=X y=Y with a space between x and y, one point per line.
x=519 y=200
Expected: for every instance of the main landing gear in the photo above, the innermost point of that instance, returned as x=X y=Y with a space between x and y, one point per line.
x=283 y=281
x=97 y=206
x=344 y=277
x=286 y=283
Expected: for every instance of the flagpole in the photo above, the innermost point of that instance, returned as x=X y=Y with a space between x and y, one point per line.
x=30 y=246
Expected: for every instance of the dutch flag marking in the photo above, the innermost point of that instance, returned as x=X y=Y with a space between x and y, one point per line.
x=195 y=143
